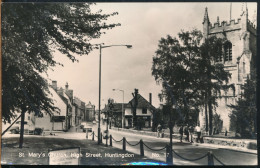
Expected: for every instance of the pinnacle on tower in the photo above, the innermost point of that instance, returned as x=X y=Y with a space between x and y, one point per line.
x=244 y=11
x=206 y=16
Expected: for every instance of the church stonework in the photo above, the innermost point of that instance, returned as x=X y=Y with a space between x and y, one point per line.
x=239 y=56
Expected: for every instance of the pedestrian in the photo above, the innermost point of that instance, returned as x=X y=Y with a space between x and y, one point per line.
x=181 y=132
x=191 y=129
x=159 y=128
x=186 y=132
x=198 y=130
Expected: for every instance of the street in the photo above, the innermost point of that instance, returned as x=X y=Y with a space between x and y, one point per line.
x=186 y=150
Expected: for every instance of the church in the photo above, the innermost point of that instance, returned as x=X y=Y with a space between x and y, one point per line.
x=239 y=58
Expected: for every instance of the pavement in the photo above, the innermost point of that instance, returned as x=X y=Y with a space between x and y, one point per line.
x=36 y=148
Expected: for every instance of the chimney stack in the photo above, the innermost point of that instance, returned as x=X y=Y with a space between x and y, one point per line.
x=54 y=85
x=150 y=98
x=67 y=86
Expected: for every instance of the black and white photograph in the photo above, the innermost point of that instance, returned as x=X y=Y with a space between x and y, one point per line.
x=129 y=83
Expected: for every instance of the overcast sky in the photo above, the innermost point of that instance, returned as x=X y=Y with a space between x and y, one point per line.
x=142 y=25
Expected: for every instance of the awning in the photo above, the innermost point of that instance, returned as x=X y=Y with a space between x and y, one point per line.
x=57 y=118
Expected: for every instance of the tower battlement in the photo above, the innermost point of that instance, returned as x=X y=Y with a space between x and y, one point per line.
x=218 y=27
x=251 y=27
x=225 y=24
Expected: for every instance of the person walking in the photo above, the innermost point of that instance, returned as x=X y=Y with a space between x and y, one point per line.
x=186 y=132
x=181 y=133
x=159 y=128
x=198 y=130
x=191 y=130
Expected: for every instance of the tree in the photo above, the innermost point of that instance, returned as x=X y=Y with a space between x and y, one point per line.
x=189 y=72
x=157 y=119
x=243 y=115
x=213 y=76
x=31 y=32
x=173 y=66
x=217 y=123
x=134 y=105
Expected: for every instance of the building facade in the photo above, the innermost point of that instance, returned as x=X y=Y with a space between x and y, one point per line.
x=78 y=111
x=56 y=121
x=89 y=112
x=144 y=112
x=239 y=58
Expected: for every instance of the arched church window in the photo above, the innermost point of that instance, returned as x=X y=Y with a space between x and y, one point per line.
x=228 y=51
x=220 y=56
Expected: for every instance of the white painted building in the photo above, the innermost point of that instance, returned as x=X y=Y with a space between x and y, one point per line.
x=144 y=112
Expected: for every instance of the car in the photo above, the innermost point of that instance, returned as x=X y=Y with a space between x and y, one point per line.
x=82 y=125
x=38 y=131
x=94 y=122
x=15 y=129
x=86 y=127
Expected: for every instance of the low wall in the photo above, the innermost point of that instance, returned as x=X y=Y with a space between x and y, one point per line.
x=244 y=143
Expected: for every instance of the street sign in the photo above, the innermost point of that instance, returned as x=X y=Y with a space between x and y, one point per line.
x=64 y=156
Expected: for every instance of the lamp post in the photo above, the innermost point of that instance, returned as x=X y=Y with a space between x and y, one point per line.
x=123 y=119
x=99 y=95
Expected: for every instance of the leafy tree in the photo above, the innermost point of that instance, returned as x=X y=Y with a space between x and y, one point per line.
x=31 y=32
x=217 y=123
x=243 y=115
x=157 y=119
x=189 y=72
x=173 y=66
x=213 y=77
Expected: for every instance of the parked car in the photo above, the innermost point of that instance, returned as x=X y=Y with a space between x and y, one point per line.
x=38 y=131
x=86 y=127
x=82 y=125
x=94 y=122
x=15 y=129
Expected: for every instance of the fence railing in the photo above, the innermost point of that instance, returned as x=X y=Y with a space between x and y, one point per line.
x=209 y=155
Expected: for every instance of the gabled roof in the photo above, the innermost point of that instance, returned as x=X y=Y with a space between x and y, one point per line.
x=89 y=105
x=142 y=103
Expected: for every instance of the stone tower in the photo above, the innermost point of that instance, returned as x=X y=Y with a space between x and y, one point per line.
x=239 y=56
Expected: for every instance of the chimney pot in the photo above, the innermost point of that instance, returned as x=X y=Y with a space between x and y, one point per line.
x=67 y=86
x=150 y=98
x=54 y=85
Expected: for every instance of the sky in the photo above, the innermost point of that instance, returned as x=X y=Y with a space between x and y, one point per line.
x=142 y=26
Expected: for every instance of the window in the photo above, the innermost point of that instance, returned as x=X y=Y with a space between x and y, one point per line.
x=144 y=111
x=227 y=51
x=219 y=59
x=220 y=55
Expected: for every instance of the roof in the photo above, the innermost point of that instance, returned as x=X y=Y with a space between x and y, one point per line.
x=117 y=108
x=142 y=103
x=89 y=105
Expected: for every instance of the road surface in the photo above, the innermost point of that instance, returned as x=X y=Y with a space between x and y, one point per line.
x=186 y=150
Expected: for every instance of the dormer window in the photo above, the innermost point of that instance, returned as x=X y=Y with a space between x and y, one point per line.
x=227 y=51
x=144 y=111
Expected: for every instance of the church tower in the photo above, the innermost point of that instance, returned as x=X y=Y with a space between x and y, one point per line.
x=239 y=55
